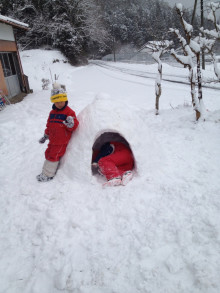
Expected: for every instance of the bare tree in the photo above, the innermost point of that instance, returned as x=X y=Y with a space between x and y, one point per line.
x=191 y=48
x=157 y=49
x=214 y=34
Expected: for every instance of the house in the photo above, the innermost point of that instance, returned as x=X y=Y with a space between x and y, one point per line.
x=13 y=82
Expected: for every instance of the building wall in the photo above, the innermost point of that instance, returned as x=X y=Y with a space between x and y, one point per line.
x=6 y=32
x=7 y=46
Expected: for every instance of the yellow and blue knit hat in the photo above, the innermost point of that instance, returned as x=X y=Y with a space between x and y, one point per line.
x=58 y=94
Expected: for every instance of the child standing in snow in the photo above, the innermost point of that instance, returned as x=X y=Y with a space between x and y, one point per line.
x=115 y=161
x=61 y=123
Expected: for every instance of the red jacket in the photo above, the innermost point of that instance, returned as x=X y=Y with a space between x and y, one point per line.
x=58 y=132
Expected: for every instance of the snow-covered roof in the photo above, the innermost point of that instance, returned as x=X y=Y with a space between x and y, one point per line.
x=13 y=22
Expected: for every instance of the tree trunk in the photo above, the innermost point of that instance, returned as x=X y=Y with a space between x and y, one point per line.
x=158 y=88
x=193 y=94
x=199 y=77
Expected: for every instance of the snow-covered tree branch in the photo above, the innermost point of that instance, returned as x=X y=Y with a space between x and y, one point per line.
x=157 y=49
x=191 y=48
x=214 y=34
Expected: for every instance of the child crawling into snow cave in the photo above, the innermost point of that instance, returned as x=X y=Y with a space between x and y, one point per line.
x=115 y=161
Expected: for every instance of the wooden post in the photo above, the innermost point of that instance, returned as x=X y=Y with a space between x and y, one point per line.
x=194 y=12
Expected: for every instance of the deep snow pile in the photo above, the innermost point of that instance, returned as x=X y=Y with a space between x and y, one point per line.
x=160 y=233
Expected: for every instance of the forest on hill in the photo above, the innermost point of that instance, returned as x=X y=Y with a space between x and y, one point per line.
x=85 y=28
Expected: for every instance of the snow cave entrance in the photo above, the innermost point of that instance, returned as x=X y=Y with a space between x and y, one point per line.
x=102 y=139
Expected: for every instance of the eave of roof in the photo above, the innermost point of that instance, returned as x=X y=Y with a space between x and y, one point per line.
x=13 y=22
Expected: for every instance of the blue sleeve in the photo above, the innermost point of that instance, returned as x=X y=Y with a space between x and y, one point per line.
x=105 y=150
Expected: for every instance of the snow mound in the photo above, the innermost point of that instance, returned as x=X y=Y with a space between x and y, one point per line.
x=104 y=116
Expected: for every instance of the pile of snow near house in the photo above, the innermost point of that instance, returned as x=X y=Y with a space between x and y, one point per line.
x=159 y=233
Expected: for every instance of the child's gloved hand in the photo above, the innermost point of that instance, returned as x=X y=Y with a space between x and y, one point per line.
x=69 y=122
x=43 y=139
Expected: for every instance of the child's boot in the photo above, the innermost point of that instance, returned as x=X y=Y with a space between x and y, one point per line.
x=43 y=178
x=113 y=182
x=48 y=172
x=127 y=176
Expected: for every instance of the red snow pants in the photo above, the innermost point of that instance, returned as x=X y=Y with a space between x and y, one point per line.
x=116 y=164
x=54 y=153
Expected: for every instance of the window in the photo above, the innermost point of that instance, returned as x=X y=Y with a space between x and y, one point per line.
x=12 y=65
x=8 y=65
x=6 y=68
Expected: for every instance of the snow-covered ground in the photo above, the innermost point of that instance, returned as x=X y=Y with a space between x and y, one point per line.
x=158 y=234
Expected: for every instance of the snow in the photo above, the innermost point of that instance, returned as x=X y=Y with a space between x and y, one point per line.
x=194 y=46
x=188 y=27
x=14 y=21
x=210 y=16
x=216 y=67
x=156 y=56
x=187 y=60
x=154 y=46
x=212 y=33
x=160 y=233
x=179 y=6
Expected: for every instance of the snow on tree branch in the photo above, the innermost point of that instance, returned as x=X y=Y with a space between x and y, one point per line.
x=191 y=49
x=188 y=27
x=157 y=49
x=188 y=53
x=215 y=34
x=212 y=15
x=179 y=6
x=184 y=60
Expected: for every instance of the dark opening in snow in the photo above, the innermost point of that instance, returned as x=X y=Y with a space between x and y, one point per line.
x=102 y=139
